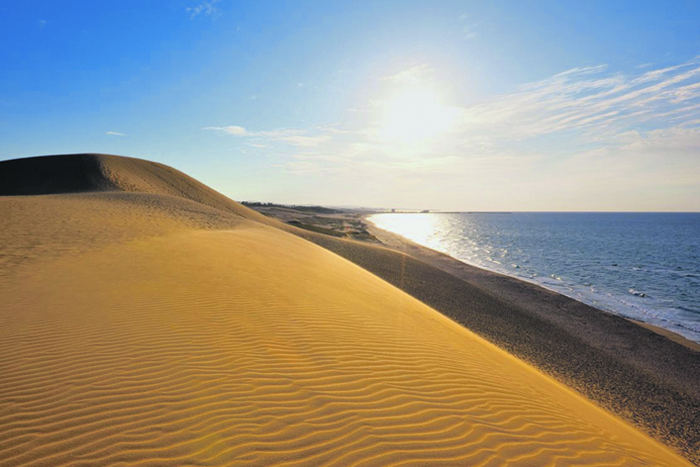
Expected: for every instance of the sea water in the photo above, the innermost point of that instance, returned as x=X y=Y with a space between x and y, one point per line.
x=644 y=266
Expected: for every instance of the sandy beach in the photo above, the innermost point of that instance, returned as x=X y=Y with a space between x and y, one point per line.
x=149 y=320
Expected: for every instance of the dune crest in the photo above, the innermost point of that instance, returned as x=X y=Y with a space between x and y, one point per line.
x=169 y=332
x=91 y=173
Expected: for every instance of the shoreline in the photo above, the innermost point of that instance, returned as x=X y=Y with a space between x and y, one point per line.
x=673 y=336
x=447 y=263
x=634 y=371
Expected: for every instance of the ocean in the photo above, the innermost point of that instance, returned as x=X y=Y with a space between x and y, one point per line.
x=644 y=266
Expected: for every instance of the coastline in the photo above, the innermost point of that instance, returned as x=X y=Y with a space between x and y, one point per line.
x=456 y=267
x=677 y=338
x=631 y=370
x=643 y=374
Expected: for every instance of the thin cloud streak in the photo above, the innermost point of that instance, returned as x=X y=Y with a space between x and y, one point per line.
x=584 y=99
x=412 y=75
x=294 y=137
x=207 y=8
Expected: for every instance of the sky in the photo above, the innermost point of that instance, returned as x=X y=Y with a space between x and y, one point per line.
x=450 y=105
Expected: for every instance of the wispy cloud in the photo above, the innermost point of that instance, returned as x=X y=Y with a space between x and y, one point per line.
x=593 y=101
x=468 y=30
x=624 y=134
x=115 y=133
x=294 y=137
x=231 y=130
x=207 y=8
x=42 y=23
x=411 y=75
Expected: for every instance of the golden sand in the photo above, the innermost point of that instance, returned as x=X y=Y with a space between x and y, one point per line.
x=144 y=329
x=250 y=346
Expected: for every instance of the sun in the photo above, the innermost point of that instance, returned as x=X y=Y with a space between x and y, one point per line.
x=416 y=115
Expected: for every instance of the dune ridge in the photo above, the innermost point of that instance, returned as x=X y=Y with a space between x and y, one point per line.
x=155 y=330
x=94 y=173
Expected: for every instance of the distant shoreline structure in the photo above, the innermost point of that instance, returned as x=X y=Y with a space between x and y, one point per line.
x=431 y=211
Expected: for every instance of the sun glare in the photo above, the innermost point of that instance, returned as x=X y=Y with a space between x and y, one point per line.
x=416 y=115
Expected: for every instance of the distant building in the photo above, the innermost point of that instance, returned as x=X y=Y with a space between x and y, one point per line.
x=393 y=210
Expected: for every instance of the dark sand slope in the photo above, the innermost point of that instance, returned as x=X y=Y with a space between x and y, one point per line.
x=92 y=173
x=152 y=321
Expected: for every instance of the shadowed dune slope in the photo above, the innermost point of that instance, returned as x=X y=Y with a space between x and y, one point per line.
x=85 y=173
x=143 y=328
x=52 y=174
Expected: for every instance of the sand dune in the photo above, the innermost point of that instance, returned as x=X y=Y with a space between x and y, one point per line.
x=148 y=329
x=91 y=173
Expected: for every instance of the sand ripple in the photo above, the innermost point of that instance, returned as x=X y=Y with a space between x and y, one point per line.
x=253 y=347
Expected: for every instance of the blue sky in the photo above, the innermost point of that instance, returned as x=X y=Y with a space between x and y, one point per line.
x=449 y=105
